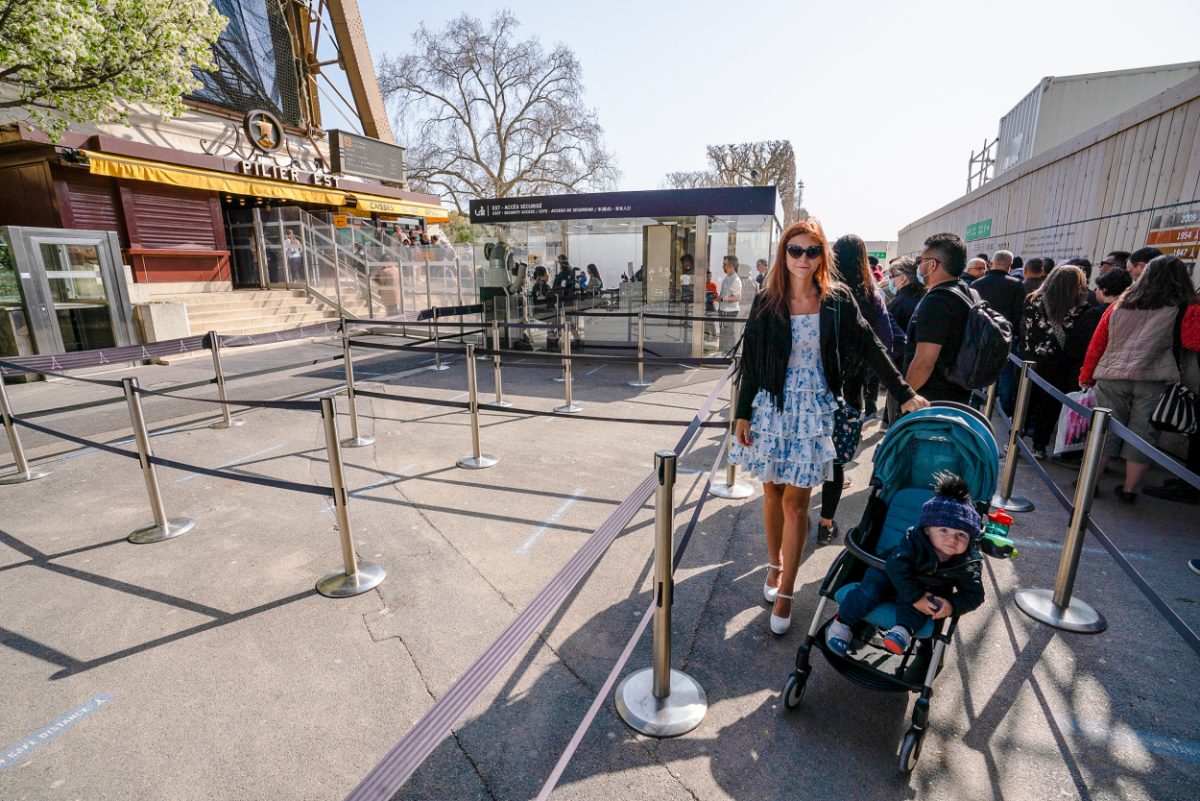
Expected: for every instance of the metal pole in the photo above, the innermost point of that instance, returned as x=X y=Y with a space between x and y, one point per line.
x=1005 y=499
x=355 y=440
x=641 y=351
x=568 y=406
x=23 y=473
x=162 y=528
x=1056 y=607
x=657 y=700
x=355 y=577
x=226 y=421
x=337 y=270
x=989 y=406
x=477 y=460
x=500 y=401
x=436 y=335
x=731 y=488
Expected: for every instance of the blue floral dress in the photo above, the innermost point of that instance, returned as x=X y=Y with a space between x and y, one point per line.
x=793 y=446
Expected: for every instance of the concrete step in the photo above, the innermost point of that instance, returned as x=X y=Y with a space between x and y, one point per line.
x=215 y=314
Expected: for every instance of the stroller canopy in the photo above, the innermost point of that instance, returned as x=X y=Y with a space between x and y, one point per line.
x=923 y=443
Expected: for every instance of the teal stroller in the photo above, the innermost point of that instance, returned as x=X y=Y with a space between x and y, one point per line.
x=946 y=436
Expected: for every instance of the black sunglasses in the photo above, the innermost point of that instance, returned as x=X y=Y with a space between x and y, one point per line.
x=795 y=251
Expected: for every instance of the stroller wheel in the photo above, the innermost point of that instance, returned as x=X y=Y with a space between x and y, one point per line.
x=793 y=689
x=910 y=750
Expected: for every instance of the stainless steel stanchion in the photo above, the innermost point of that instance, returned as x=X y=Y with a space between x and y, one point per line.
x=641 y=351
x=477 y=460
x=355 y=577
x=24 y=473
x=568 y=406
x=563 y=336
x=436 y=336
x=226 y=421
x=659 y=701
x=1004 y=498
x=162 y=528
x=500 y=401
x=1056 y=607
x=989 y=405
x=355 y=440
x=731 y=488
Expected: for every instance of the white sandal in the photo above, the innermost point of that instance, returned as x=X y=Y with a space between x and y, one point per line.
x=780 y=625
x=770 y=592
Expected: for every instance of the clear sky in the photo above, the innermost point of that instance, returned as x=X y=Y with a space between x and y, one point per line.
x=882 y=101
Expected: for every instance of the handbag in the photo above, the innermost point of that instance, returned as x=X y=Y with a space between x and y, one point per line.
x=847 y=420
x=1176 y=410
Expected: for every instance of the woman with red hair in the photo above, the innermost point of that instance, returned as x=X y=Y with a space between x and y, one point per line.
x=799 y=328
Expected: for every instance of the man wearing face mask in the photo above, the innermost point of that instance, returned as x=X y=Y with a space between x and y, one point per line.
x=906 y=291
x=936 y=329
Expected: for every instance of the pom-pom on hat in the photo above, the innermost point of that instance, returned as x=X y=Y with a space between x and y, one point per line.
x=951 y=505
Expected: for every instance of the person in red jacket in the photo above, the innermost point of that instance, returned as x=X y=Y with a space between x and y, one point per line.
x=1131 y=358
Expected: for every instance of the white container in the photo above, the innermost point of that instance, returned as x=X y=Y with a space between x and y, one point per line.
x=1059 y=109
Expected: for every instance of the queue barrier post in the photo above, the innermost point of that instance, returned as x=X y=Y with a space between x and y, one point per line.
x=569 y=406
x=659 y=701
x=226 y=421
x=355 y=440
x=731 y=488
x=24 y=472
x=436 y=336
x=641 y=351
x=163 y=528
x=355 y=577
x=989 y=405
x=500 y=401
x=477 y=460
x=1004 y=499
x=1057 y=607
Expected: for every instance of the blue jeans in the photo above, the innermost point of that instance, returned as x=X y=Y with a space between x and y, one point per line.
x=1006 y=387
x=875 y=588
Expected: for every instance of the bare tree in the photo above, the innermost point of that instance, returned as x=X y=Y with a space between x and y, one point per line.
x=492 y=116
x=765 y=163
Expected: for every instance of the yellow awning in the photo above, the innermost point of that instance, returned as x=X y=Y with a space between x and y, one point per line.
x=194 y=178
x=404 y=208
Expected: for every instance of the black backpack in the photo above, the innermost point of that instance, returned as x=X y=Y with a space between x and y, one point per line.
x=987 y=338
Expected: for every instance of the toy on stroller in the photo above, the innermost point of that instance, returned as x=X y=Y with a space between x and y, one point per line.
x=945 y=437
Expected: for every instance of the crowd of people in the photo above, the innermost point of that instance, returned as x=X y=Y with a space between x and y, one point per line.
x=829 y=326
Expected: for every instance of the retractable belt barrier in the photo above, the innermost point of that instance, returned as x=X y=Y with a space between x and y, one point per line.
x=1057 y=607
x=421 y=740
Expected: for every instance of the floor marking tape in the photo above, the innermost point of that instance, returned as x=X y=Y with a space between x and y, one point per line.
x=1160 y=745
x=15 y=753
x=191 y=476
x=533 y=538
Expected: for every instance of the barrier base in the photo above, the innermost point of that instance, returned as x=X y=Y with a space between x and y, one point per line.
x=503 y=403
x=1076 y=616
x=571 y=409
x=480 y=462
x=735 y=491
x=358 y=442
x=156 y=533
x=677 y=714
x=1014 y=504
x=32 y=474
x=340 y=585
x=559 y=379
x=438 y=368
x=640 y=383
x=234 y=422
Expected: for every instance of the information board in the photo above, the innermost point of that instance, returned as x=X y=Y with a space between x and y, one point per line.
x=352 y=154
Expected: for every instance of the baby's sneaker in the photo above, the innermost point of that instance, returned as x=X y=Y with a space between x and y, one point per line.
x=838 y=637
x=897 y=639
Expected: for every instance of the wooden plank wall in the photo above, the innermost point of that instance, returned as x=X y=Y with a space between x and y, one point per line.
x=1100 y=192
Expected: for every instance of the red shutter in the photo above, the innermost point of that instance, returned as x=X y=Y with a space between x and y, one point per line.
x=173 y=218
x=93 y=205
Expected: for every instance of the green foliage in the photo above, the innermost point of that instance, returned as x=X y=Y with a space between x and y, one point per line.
x=458 y=229
x=89 y=60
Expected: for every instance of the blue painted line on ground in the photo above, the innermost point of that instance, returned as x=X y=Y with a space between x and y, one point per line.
x=596 y=369
x=1089 y=550
x=1157 y=744
x=13 y=754
x=191 y=476
x=533 y=538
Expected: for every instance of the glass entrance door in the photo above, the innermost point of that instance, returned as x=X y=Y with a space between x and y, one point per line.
x=78 y=298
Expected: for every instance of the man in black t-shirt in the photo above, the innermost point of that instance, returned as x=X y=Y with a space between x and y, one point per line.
x=936 y=328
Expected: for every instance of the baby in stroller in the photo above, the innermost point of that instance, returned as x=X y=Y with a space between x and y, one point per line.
x=933 y=572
